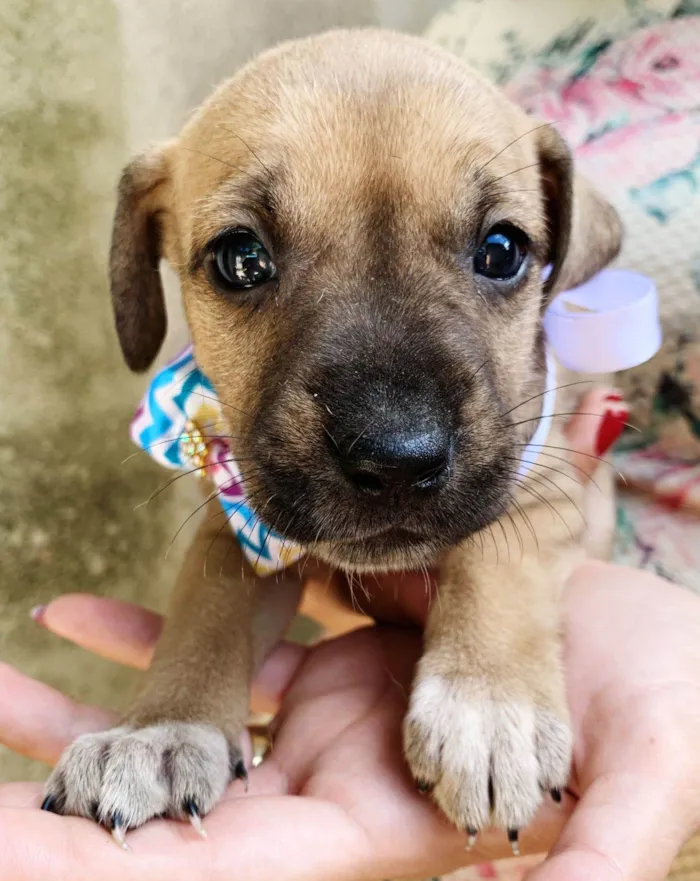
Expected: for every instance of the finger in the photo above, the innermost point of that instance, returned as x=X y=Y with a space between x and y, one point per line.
x=113 y=629
x=598 y=423
x=21 y=795
x=314 y=840
x=276 y=675
x=38 y=721
x=621 y=829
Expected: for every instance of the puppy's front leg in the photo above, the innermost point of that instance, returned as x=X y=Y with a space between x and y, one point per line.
x=488 y=725
x=179 y=745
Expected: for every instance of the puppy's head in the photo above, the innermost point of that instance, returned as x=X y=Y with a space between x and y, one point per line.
x=360 y=225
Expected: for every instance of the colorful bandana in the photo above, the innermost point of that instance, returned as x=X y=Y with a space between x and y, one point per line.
x=609 y=324
x=180 y=424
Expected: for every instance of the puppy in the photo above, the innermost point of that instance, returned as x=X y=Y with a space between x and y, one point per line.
x=360 y=224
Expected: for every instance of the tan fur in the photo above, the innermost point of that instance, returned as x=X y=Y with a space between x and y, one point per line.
x=343 y=149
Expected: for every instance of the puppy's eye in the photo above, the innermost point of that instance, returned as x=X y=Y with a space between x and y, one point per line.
x=239 y=260
x=502 y=252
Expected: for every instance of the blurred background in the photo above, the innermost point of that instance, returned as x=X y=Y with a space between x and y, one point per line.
x=85 y=83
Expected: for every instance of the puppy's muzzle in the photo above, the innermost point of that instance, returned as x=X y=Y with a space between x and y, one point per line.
x=404 y=448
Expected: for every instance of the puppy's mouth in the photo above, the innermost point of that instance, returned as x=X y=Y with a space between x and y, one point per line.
x=387 y=550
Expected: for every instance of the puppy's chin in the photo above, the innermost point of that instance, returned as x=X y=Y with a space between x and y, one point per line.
x=389 y=552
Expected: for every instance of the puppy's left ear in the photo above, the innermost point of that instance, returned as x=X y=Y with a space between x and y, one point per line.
x=585 y=230
x=137 y=244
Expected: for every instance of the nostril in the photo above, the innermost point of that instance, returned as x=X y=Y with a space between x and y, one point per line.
x=365 y=481
x=433 y=474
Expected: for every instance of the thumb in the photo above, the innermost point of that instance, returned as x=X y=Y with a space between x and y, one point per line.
x=623 y=829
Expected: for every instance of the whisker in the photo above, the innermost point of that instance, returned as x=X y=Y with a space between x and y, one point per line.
x=517 y=533
x=229 y=515
x=523 y=515
x=172 y=440
x=516 y=190
x=572 y=413
x=583 y=471
x=207 y=501
x=182 y=474
x=332 y=439
x=247 y=145
x=360 y=435
x=515 y=171
x=556 y=486
x=223 y=403
x=495 y=545
x=545 y=392
x=576 y=453
x=510 y=144
x=546 y=501
x=505 y=536
x=538 y=464
x=218 y=159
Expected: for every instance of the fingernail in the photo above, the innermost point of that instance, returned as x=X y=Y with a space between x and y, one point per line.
x=37 y=614
x=611 y=425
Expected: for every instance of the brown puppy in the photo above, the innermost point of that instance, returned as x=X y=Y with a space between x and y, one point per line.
x=360 y=224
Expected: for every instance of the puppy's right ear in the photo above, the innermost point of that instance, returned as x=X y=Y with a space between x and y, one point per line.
x=137 y=291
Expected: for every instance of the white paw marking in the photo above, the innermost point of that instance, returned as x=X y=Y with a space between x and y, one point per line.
x=464 y=743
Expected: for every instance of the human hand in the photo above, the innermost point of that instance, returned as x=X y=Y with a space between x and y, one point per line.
x=331 y=801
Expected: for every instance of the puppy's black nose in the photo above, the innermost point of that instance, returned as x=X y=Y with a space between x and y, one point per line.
x=380 y=463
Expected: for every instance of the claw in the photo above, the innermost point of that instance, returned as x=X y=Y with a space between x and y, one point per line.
x=118 y=831
x=471 y=838
x=514 y=845
x=50 y=804
x=240 y=773
x=424 y=787
x=192 y=812
x=556 y=795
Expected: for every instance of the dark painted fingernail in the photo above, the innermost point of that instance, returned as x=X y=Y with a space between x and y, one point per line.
x=556 y=795
x=611 y=426
x=49 y=804
x=514 y=844
x=37 y=614
x=240 y=773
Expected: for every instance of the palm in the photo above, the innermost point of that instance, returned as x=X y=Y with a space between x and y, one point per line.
x=333 y=800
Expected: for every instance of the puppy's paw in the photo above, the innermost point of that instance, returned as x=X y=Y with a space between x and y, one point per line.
x=486 y=759
x=125 y=777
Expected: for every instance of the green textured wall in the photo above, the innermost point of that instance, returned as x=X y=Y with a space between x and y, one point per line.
x=66 y=518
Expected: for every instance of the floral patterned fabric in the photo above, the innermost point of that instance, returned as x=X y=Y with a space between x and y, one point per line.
x=620 y=79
